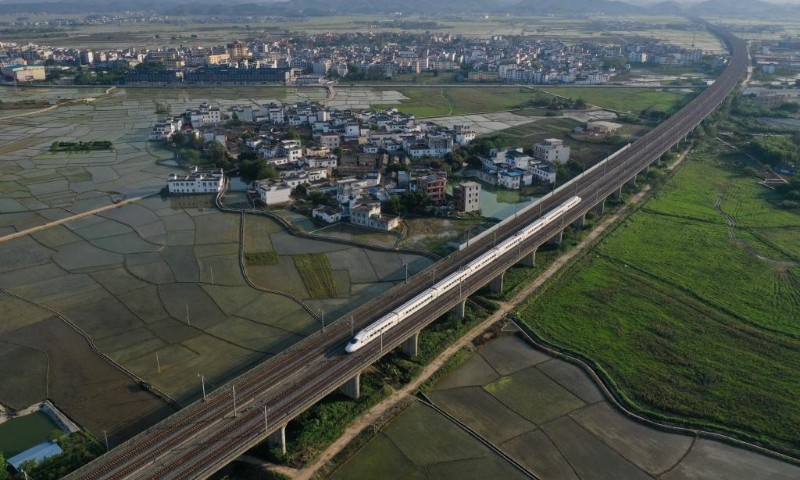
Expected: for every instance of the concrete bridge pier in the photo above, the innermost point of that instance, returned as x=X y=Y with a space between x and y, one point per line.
x=496 y=285
x=601 y=207
x=529 y=259
x=557 y=238
x=460 y=310
x=632 y=181
x=352 y=387
x=617 y=193
x=278 y=439
x=580 y=222
x=411 y=346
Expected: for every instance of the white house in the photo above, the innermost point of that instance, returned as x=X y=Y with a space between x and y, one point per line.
x=197 y=181
x=543 y=171
x=369 y=215
x=510 y=179
x=272 y=194
x=330 y=140
x=552 y=150
x=463 y=134
x=291 y=149
x=321 y=162
x=164 y=130
x=326 y=214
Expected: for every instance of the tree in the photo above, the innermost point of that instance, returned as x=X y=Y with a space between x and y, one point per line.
x=415 y=202
x=248 y=155
x=217 y=151
x=393 y=206
x=189 y=155
x=258 y=169
x=338 y=152
x=4 y=475
x=580 y=104
x=178 y=138
x=300 y=191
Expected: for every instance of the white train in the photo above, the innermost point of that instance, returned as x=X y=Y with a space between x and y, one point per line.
x=377 y=328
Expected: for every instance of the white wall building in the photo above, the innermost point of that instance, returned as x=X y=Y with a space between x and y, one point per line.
x=197 y=181
x=552 y=150
x=273 y=194
x=369 y=215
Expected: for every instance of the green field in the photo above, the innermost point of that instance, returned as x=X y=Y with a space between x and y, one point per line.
x=624 y=99
x=692 y=320
x=315 y=270
x=22 y=433
x=444 y=101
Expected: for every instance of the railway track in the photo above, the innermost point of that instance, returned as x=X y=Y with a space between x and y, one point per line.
x=206 y=435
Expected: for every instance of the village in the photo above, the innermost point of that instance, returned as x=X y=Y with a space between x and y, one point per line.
x=363 y=167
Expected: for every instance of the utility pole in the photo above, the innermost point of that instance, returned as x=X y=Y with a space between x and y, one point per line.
x=105 y=435
x=266 y=424
x=187 y=315
x=158 y=362
x=405 y=265
x=234 y=400
x=202 y=384
x=469 y=230
x=212 y=275
x=351 y=325
x=381 y=341
x=322 y=316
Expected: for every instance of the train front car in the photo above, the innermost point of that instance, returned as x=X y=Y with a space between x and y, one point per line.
x=356 y=342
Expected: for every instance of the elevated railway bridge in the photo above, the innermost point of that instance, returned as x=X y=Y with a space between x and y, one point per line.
x=206 y=435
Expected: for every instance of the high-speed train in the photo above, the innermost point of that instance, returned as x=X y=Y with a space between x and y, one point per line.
x=382 y=325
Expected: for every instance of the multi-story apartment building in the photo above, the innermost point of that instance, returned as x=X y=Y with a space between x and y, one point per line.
x=467 y=197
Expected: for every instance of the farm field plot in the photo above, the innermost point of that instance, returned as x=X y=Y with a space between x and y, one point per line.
x=118 y=278
x=153 y=284
x=331 y=276
x=584 y=437
x=421 y=444
x=685 y=313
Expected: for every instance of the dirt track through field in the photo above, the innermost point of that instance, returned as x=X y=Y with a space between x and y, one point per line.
x=62 y=221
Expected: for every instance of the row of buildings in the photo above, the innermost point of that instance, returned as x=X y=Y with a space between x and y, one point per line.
x=308 y=59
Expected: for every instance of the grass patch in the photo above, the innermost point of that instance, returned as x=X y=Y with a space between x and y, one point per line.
x=689 y=325
x=261 y=258
x=434 y=102
x=315 y=270
x=626 y=99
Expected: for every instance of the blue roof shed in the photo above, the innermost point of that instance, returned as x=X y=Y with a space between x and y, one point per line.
x=38 y=453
